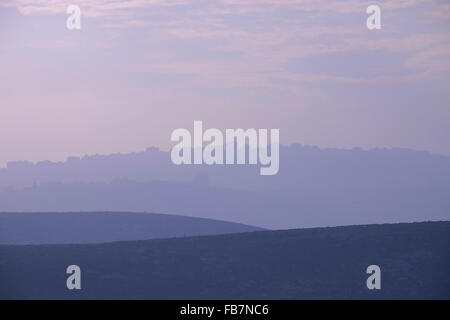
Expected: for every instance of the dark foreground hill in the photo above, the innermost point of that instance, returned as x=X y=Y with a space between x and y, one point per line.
x=294 y=264
x=99 y=227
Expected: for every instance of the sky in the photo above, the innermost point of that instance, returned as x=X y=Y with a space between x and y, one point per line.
x=139 y=69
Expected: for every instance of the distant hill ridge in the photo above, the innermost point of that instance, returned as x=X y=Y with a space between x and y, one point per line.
x=314 y=187
x=299 y=164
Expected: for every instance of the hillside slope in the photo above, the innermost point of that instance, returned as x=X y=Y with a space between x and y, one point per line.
x=325 y=263
x=98 y=227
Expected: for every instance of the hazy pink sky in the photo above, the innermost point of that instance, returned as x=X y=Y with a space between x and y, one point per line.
x=139 y=69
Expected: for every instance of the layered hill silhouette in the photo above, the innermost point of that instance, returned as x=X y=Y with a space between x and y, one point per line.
x=99 y=227
x=307 y=207
x=303 y=166
x=322 y=263
x=314 y=187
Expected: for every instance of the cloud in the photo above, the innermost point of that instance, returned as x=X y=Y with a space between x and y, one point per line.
x=431 y=60
x=90 y=8
x=94 y=8
x=250 y=42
